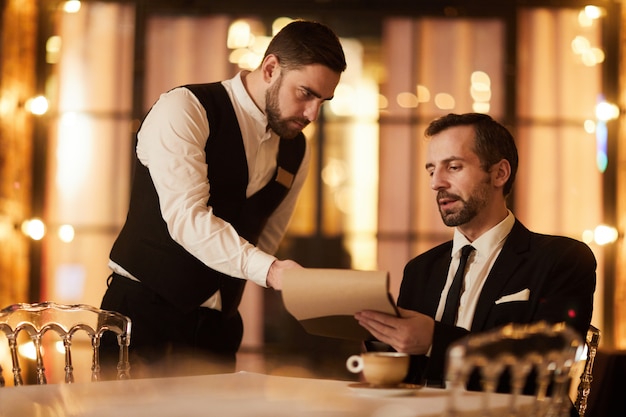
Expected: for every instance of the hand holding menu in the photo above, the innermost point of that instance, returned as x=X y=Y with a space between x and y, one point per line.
x=325 y=300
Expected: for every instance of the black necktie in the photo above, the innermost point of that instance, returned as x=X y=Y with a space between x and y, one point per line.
x=454 y=294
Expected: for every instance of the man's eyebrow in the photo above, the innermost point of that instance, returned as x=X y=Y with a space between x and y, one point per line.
x=445 y=161
x=316 y=94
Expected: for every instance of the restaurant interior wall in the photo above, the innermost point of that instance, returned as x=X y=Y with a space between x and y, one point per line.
x=366 y=204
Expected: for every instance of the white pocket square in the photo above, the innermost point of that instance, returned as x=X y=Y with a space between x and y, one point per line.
x=518 y=296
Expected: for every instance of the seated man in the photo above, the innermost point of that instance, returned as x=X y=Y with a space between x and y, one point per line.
x=512 y=275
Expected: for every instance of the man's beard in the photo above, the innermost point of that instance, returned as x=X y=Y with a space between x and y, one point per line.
x=476 y=202
x=279 y=125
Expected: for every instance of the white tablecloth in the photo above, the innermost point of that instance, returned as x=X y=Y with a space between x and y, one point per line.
x=227 y=395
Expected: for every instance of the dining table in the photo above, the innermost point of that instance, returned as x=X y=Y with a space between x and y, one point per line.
x=239 y=394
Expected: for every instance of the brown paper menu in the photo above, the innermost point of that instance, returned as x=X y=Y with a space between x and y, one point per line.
x=325 y=300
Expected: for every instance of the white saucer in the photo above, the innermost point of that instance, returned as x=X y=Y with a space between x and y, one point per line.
x=364 y=388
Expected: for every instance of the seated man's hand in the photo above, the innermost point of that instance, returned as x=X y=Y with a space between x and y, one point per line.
x=411 y=333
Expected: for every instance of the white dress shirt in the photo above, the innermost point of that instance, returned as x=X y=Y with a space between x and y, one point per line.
x=171 y=143
x=487 y=248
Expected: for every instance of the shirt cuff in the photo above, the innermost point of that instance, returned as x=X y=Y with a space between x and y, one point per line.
x=259 y=264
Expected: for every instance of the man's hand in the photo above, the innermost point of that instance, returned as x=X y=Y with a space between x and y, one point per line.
x=275 y=274
x=411 y=333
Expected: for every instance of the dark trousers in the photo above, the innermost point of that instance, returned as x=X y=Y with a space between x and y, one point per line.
x=166 y=341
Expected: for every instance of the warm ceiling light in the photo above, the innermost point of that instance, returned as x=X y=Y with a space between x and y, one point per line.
x=28 y=350
x=594 y=12
x=604 y=234
x=71 y=6
x=445 y=101
x=407 y=100
x=37 y=105
x=423 y=94
x=34 y=228
x=280 y=23
x=66 y=233
x=239 y=35
x=607 y=111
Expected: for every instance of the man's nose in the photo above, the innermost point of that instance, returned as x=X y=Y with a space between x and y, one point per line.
x=437 y=181
x=312 y=111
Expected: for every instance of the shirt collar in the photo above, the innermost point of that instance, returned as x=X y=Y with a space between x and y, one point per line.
x=246 y=102
x=488 y=241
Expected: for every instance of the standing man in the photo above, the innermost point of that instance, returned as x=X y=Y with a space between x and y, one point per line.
x=219 y=167
x=512 y=275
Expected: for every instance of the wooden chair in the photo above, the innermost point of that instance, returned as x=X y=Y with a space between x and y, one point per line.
x=584 y=387
x=39 y=318
x=550 y=351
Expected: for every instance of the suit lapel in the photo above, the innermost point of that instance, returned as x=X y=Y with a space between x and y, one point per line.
x=436 y=284
x=513 y=254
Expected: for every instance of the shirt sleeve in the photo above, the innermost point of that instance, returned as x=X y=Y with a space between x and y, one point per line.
x=171 y=144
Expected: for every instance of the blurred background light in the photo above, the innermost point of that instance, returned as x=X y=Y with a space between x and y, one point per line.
x=37 y=105
x=34 y=228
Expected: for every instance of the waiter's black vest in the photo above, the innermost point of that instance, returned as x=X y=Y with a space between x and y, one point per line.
x=144 y=247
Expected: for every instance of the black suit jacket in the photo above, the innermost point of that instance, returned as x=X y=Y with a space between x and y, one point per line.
x=558 y=271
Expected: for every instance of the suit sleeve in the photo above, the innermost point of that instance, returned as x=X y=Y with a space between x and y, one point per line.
x=568 y=287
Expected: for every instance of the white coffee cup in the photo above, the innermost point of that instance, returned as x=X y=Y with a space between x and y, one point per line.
x=380 y=368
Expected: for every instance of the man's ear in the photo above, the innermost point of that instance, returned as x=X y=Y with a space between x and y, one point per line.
x=501 y=172
x=270 y=67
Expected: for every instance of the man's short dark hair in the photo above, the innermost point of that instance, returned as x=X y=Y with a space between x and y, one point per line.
x=304 y=42
x=493 y=142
